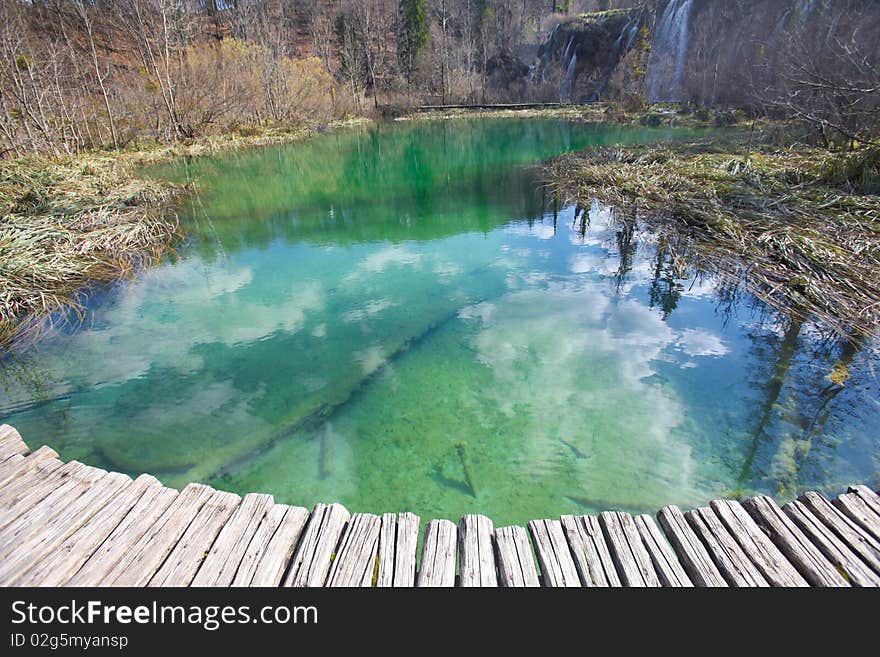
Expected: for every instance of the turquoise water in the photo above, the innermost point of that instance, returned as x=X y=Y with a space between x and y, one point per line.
x=401 y=318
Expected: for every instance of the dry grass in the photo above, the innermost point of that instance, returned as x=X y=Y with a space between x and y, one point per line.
x=800 y=225
x=71 y=222
x=65 y=223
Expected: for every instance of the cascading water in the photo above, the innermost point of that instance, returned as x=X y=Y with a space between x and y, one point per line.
x=568 y=82
x=668 y=53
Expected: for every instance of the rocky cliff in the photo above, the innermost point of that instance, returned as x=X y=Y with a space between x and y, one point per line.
x=710 y=51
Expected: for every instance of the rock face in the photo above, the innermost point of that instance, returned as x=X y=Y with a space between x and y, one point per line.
x=581 y=53
x=506 y=71
x=709 y=51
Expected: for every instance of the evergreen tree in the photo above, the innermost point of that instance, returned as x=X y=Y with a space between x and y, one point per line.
x=413 y=36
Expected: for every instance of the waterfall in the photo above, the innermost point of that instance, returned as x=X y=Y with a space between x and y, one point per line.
x=627 y=36
x=568 y=83
x=567 y=49
x=668 y=53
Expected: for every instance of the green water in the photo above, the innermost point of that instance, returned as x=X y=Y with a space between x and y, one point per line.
x=400 y=318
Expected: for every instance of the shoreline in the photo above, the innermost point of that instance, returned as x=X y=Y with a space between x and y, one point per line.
x=69 y=201
x=72 y=222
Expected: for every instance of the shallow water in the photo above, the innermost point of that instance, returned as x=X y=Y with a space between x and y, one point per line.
x=399 y=318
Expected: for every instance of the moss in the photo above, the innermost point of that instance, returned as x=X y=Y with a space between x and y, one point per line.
x=839 y=373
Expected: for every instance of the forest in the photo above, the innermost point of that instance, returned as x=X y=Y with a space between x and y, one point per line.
x=78 y=75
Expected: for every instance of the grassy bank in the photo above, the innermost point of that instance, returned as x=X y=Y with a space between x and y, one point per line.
x=800 y=225
x=652 y=116
x=66 y=223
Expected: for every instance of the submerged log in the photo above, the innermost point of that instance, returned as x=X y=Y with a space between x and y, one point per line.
x=466 y=468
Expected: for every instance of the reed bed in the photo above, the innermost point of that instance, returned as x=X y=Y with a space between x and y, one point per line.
x=70 y=222
x=800 y=226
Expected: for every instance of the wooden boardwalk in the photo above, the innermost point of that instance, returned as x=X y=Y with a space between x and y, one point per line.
x=70 y=524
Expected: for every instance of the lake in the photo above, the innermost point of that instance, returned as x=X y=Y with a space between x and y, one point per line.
x=402 y=317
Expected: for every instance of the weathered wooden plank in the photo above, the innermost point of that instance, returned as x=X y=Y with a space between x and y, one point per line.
x=477 y=553
x=148 y=553
x=856 y=509
x=387 y=543
x=355 y=562
x=438 y=555
x=690 y=551
x=184 y=560
x=666 y=564
x=867 y=496
x=31 y=487
x=858 y=540
x=312 y=560
x=271 y=548
x=630 y=557
x=10 y=464
x=221 y=564
x=557 y=564
x=793 y=543
x=758 y=547
x=845 y=560
x=728 y=556
x=55 y=569
x=20 y=465
x=590 y=551
x=11 y=442
x=121 y=541
x=77 y=480
x=405 y=550
x=50 y=531
x=398 y=541
x=516 y=565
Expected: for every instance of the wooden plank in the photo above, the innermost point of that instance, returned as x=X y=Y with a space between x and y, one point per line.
x=438 y=555
x=387 y=543
x=690 y=551
x=11 y=464
x=268 y=555
x=841 y=557
x=355 y=563
x=63 y=563
x=793 y=543
x=398 y=541
x=758 y=547
x=11 y=443
x=630 y=557
x=31 y=487
x=75 y=482
x=6 y=432
x=728 y=556
x=121 y=541
x=182 y=564
x=149 y=552
x=590 y=551
x=867 y=496
x=405 y=550
x=221 y=564
x=557 y=564
x=477 y=567
x=49 y=532
x=856 y=509
x=666 y=564
x=20 y=465
x=516 y=565
x=312 y=560
x=858 y=540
